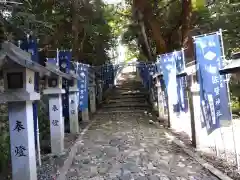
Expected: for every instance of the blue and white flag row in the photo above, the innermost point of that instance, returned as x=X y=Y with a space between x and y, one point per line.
x=169 y=65
x=213 y=87
x=146 y=73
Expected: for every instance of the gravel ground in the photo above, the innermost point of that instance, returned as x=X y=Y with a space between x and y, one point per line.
x=51 y=164
x=228 y=167
x=126 y=146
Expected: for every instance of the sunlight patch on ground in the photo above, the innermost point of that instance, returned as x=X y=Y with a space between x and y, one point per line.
x=129 y=69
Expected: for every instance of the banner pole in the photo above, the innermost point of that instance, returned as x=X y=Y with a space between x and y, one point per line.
x=183 y=56
x=221 y=133
x=215 y=32
x=57 y=57
x=229 y=98
x=220 y=128
x=216 y=144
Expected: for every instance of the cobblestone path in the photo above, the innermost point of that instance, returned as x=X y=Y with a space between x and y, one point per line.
x=122 y=144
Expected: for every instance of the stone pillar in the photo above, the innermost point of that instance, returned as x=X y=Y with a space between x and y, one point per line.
x=110 y=86
x=115 y=76
x=160 y=101
x=19 y=93
x=21 y=130
x=100 y=91
x=73 y=112
x=56 y=123
x=152 y=97
x=138 y=78
x=85 y=115
x=171 y=114
x=92 y=97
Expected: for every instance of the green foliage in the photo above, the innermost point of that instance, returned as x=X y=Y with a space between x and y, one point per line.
x=53 y=22
x=235 y=94
x=220 y=14
x=4 y=143
x=4 y=139
x=43 y=118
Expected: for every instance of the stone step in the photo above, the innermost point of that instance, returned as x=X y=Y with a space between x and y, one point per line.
x=132 y=93
x=119 y=96
x=130 y=90
x=124 y=85
x=133 y=111
x=128 y=86
x=122 y=109
x=125 y=100
x=126 y=105
x=127 y=95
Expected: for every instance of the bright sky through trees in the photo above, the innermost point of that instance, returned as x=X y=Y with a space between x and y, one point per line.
x=112 y=1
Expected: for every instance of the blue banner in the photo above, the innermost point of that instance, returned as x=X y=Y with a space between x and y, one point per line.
x=163 y=86
x=52 y=61
x=212 y=88
x=182 y=95
x=146 y=72
x=158 y=65
x=151 y=72
x=145 y=75
x=83 y=86
x=64 y=66
x=141 y=67
x=30 y=45
x=33 y=49
x=105 y=77
x=111 y=74
x=168 y=67
x=116 y=70
x=72 y=67
x=181 y=83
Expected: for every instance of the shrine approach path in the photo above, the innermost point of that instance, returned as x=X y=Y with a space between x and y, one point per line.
x=123 y=143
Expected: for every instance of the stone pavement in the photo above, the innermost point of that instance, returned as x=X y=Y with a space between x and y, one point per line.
x=122 y=144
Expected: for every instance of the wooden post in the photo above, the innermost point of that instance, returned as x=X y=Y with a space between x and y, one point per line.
x=195 y=114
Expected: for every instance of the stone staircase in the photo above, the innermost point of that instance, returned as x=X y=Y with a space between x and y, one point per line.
x=128 y=96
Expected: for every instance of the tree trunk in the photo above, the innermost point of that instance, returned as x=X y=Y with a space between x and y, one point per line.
x=75 y=28
x=186 y=20
x=145 y=8
x=143 y=31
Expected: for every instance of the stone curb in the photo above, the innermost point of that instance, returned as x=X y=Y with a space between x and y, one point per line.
x=195 y=155
x=73 y=151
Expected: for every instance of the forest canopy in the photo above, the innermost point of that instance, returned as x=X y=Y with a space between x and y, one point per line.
x=147 y=27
